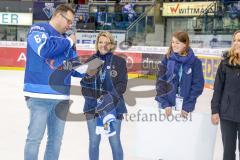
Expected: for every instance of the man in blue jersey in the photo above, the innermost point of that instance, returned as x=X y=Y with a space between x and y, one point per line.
x=48 y=47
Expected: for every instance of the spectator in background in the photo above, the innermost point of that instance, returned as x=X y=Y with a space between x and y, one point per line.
x=129 y=9
x=101 y=16
x=4 y=37
x=80 y=19
x=225 y=102
x=118 y=11
x=80 y=23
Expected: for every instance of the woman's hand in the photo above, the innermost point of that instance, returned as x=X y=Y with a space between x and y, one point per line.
x=168 y=111
x=92 y=72
x=215 y=118
x=184 y=114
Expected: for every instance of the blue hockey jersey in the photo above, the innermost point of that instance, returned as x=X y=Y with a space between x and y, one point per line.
x=46 y=51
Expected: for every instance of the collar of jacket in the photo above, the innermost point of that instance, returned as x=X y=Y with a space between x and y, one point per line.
x=188 y=59
x=105 y=56
x=226 y=60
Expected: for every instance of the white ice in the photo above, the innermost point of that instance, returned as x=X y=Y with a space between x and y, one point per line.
x=14 y=121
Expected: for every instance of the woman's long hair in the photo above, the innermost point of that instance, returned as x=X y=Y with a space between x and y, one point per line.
x=182 y=37
x=234 y=58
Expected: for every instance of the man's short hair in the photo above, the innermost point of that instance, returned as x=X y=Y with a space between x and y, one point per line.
x=63 y=8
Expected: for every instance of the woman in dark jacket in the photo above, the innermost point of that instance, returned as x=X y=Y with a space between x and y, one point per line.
x=104 y=104
x=180 y=79
x=225 y=103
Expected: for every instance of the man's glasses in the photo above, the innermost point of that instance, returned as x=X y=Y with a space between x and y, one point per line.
x=68 y=20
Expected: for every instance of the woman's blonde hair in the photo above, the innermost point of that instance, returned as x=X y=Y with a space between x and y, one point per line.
x=182 y=37
x=233 y=56
x=109 y=36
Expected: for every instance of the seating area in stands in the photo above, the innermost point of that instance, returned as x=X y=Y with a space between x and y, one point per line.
x=111 y=16
x=104 y=21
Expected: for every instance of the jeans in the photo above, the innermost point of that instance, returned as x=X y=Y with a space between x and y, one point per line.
x=230 y=132
x=94 y=141
x=44 y=113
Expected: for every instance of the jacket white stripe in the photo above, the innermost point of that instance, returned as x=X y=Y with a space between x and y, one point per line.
x=46 y=96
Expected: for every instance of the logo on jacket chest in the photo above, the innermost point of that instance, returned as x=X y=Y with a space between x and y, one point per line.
x=189 y=71
x=113 y=71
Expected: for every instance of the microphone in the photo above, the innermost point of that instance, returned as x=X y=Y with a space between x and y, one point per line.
x=69 y=33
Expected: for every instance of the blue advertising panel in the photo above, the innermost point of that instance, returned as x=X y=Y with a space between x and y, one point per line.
x=44 y=10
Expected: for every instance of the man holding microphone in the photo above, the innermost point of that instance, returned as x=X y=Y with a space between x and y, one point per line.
x=48 y=47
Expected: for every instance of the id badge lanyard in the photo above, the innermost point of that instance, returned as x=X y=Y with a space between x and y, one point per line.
x=180 y=78
x=102 y=76
x=179 y=99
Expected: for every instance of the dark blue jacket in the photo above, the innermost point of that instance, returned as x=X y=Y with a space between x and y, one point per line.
x=191 y=83
x=225 y=100
x=115 y=83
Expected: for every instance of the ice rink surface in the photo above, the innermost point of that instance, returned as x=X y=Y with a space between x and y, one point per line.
x=14 y=122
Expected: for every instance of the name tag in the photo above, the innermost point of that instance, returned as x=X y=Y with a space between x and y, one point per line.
x=179 y=103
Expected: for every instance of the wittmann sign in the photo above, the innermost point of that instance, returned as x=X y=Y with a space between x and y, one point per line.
x=186 y=9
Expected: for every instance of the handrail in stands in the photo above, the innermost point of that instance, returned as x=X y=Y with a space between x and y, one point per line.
x=136 y=21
